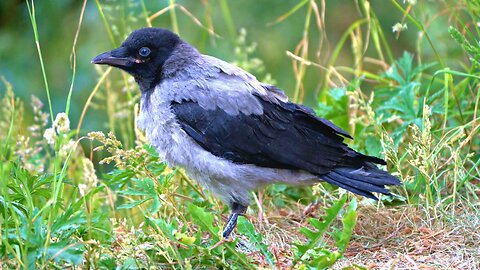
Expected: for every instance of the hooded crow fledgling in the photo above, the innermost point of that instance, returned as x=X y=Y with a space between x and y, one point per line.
x=231 y=132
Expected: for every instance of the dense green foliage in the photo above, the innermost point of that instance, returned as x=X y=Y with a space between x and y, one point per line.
x=92 y=193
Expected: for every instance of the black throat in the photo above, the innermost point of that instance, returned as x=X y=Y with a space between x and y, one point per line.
x=147 y=85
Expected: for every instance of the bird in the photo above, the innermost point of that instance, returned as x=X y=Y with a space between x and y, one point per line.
x=231 y=132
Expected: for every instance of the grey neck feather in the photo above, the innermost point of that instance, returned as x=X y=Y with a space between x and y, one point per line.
x=183 y=55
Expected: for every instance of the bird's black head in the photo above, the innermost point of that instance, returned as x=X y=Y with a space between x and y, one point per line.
x=142 y=54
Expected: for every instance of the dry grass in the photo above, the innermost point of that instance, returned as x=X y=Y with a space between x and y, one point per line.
x=398 y=237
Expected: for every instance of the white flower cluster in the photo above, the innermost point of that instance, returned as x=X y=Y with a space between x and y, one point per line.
x=60 y=125
x=398 y=27
x=89 y=176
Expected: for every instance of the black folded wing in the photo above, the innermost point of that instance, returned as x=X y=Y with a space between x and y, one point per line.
x=286 y=135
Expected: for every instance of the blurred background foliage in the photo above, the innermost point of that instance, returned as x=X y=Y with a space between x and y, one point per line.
x=58 y=20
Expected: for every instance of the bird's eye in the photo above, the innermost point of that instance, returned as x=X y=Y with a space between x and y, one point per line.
x=144 y=51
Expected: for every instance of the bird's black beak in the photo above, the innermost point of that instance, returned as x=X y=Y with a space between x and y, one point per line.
x=117 y=58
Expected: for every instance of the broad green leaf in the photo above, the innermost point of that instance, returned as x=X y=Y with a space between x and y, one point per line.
x=66 y=251
x=246 y=228
x=204 y=220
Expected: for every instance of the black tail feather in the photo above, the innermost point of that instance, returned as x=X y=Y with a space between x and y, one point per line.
x=373 y=159
x=362 y=181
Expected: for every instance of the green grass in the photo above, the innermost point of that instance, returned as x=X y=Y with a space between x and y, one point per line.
x=77 y=198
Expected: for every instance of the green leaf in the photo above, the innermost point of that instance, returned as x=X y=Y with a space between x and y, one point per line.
x=65 y=251
x=204 y=220
x=246 y=228
x=151 y=150
x=315 y=237
x=133 y=204
x=337 y=93
x=157 y=168
x=145 y=188
x=107 y=262
x=323 y=110
x=373 y=145
x=118 y=178
x=314 y=254
x=166 y=227
x=403 y=72
x=405 y=65
x=349 y=220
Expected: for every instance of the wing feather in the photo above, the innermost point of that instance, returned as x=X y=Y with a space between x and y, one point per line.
x=285 y=136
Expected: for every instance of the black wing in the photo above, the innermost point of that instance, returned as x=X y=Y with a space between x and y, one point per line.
x=286 y=135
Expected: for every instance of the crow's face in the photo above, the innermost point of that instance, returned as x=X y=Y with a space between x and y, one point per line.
x=142 y=54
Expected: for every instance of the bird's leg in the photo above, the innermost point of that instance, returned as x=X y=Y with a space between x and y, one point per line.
x=231 y=223
x=237 y=210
